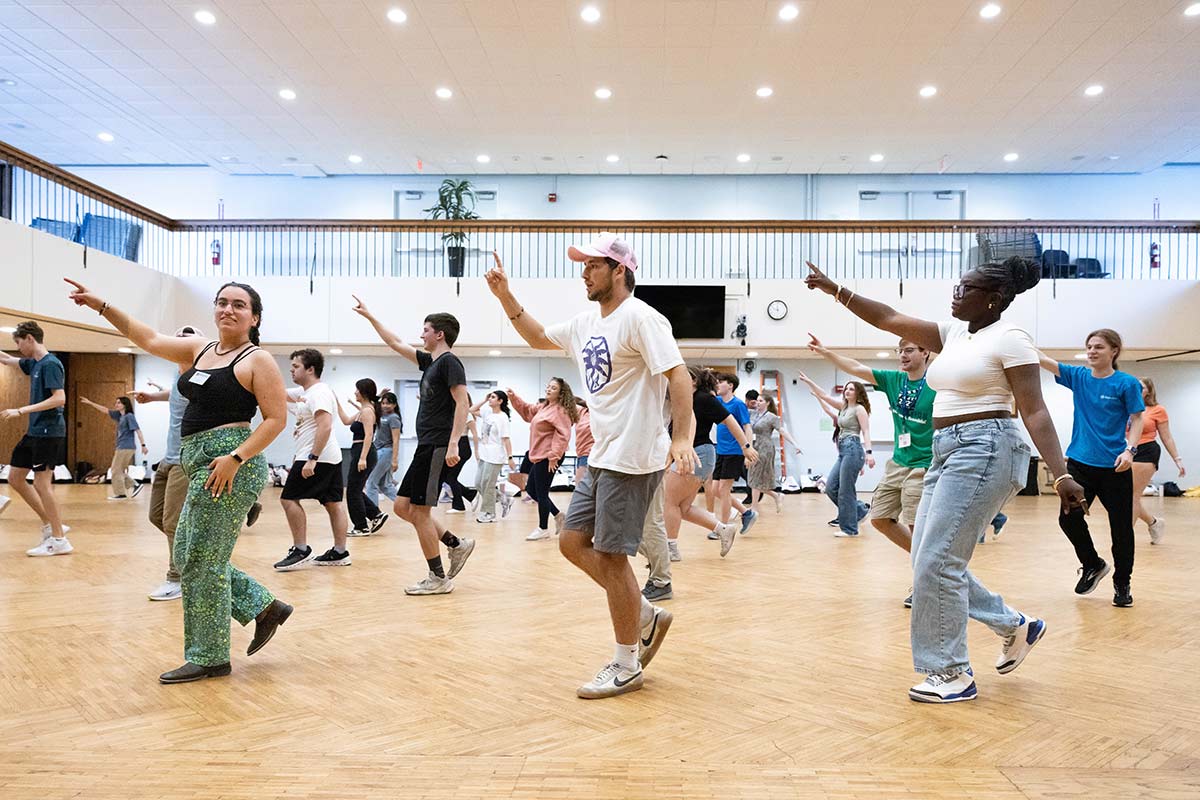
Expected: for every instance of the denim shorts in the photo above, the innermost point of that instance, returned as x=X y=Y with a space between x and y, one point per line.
x=707 y=455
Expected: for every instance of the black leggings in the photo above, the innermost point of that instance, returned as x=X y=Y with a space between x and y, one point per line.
x=540 y=478
x=361 y=509
x=1115 y=490
x=456 y=488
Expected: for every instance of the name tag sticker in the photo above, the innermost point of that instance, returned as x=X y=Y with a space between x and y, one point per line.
x=905 y=440
x=199 y=378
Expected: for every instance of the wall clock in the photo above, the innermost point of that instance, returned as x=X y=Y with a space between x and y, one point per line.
x=777 y=310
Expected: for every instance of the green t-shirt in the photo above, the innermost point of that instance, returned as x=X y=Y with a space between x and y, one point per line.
x=917 y=398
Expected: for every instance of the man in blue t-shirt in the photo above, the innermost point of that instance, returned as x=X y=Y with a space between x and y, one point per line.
x=44 y=445
x=731 y=456
x=1100 y=456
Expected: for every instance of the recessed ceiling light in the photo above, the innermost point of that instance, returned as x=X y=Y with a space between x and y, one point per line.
x=105 y=136
x=1113 y=158
x=603 y=93
x=8 y=82
x=397 y=16
x=612 y=159
x=752 y=354
x=353 y=159
x=8 y=329
x=1081 y=356
x=336 y=351
x=493 y=352
x=124 y=349
x=989 y=11
x=1093 y=90
x=287 y=94
x=764 y=91
x=483 y=158
x=1011 y=157
x=205 y=17
x=1192 y=11
x=928 y=91
x=877 y=157
x=590 y=14
x=444 y=93
x=788 y=13
x=743 y=158
x=882 y=354
x=228 y=159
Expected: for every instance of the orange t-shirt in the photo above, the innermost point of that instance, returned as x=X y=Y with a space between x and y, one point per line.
x=1152 y=417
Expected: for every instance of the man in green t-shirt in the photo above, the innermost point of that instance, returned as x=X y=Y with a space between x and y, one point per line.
x=894 y=504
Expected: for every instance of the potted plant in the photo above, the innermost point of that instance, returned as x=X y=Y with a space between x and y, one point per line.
x=456 y=200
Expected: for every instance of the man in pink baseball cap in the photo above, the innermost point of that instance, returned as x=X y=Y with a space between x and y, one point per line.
x=606 y=245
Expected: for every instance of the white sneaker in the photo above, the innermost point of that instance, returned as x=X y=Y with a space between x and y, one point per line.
x=117 y=497
x=945 y=688
x=505 y=503
x=1017 y=646
x=653 y=633
x=727 y=532
x=431 y=585
x=485 y=518
x=51 y=546
x=610 y=682
x=169 y=590
x=477 y=501
x=538 y=534
x=459 y=556
x=560 y=519
x=5 y=501
x=48 y=531
x=1157 y=529
x=673 y=550
x=454 y=511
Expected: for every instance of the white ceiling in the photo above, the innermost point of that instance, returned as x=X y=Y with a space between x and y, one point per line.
x=683 y=73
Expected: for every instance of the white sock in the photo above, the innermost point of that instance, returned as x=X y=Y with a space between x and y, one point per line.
x=627 y=656
x=647 y=612
x=673 y=544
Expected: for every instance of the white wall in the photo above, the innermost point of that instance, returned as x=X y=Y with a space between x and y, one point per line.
x=193 y=192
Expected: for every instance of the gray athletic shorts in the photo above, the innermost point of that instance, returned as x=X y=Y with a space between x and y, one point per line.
x=612 y=507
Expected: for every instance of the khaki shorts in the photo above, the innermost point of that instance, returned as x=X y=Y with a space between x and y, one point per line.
x=898 y=494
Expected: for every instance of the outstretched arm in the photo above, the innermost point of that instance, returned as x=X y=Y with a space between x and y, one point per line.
x=876 y=314
x=826 y=406
x=855 y=368
x=179 y=349
x=389 y=338
x=1049 y=364
x=532 y=331
x=820 y=393
x=12 y=361
x=96 y=406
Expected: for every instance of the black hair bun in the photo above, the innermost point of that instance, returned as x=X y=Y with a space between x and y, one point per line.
x=1025 y=273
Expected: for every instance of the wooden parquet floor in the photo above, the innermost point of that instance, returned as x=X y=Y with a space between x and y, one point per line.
x=785 y=674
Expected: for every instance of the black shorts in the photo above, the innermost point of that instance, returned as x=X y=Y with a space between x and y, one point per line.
x=423 y=480
x=729 y=468
x=325 y=485
x=39 y=453
x=1148 y=453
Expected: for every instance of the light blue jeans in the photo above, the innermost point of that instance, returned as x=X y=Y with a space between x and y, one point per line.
x=381 y=478
x=840 y=485
x=977 y=466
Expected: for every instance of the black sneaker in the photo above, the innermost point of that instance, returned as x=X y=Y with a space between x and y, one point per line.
x=296 y=558
x=1090 y=576
x=655 y=593
x=1121 y=596
x=252 y=514
x=137 y=489
x=833 y=523
x=333 y=558
x=377 y=523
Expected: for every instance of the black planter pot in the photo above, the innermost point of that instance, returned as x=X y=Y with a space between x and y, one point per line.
x=456 y=256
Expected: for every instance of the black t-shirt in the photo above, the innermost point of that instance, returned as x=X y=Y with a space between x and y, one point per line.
x=435 y=415
x=709 y=411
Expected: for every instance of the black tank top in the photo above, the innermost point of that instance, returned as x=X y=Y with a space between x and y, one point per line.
x=358 y=431
x=219 y=399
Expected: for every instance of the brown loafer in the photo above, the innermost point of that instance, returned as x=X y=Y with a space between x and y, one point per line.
x=267 y=623
x=193 y=672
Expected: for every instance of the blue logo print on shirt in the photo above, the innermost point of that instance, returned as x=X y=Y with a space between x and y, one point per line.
x=597 y=363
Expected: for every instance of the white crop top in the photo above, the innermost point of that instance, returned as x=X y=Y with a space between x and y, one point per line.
x=968 y=374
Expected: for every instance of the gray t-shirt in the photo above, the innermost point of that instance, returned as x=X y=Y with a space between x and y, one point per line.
x=383 y=431
x=177 y=404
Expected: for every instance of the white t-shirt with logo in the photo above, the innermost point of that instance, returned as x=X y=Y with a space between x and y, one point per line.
x=318 y=397
x=493 y=430
x=622 y=358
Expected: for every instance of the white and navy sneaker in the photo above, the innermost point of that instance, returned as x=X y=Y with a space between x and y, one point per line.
x=333 y=558
x=51 y=546
x=945 y=688
x=356 y=532
x=459 y=556
x=377 y=523
x=296 y=558
x=431 y=585
x=1018 y=645
x=653 y=633
x=748 y=519
x=611 y=681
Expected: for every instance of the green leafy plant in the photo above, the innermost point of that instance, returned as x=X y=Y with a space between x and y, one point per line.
x=456 y=200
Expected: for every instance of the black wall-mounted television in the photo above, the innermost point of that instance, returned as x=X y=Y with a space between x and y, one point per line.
x=695 y=312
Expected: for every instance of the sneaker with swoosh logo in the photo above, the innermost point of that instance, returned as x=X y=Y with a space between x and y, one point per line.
x=652 y=635
x=611 y=681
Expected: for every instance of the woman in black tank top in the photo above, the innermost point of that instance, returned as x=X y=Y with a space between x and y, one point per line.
x=226 y=381
x=364 y=513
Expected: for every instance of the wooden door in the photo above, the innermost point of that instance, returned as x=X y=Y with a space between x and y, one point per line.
x=101 y=378
x=14 y=393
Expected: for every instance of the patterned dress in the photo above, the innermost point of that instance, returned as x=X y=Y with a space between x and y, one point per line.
x=762 y=474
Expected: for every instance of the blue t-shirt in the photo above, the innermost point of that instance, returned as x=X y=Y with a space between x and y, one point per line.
x=1102 y=409
x=726 y=444
x=126 y=425
x=45 y=375
x=177 y=404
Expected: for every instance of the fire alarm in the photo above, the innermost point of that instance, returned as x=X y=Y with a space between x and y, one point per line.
x=552 y=197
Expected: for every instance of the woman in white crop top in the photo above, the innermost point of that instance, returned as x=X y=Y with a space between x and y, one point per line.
x=979 y=462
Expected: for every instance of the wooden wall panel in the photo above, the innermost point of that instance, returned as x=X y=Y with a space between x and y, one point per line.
x=101 y=377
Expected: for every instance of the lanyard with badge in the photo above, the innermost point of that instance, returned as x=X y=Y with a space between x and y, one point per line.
x=906 y=404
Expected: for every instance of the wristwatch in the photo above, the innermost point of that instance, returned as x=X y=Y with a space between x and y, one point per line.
x=313 y=457
x=234 y=455
x=1132 y=450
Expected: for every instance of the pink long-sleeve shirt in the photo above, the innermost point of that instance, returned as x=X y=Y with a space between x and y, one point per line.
x=583 y=433
x=549 y=428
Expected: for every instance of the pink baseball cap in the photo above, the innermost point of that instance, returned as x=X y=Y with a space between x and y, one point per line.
x=606 y=245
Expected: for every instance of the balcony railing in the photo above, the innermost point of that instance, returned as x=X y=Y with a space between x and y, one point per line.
x=55 y=201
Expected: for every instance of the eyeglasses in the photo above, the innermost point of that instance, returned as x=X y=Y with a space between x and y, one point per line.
x=907 y=351
x=237 y=305
x=962 y=288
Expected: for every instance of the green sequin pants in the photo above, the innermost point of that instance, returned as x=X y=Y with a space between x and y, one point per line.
x=213 y=590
